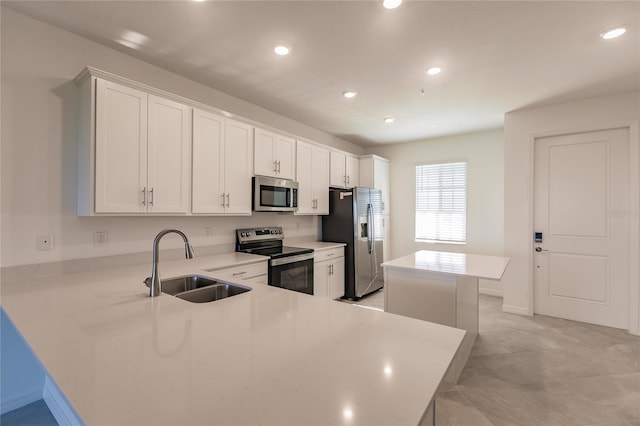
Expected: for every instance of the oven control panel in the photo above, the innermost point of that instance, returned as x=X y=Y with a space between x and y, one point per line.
x=259 y=234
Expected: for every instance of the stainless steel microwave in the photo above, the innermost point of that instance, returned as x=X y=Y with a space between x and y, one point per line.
x=274 y=195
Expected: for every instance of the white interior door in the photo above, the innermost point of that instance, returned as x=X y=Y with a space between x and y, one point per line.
x=581 y=267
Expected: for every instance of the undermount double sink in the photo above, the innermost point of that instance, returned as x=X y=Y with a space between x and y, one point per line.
x=201 y=289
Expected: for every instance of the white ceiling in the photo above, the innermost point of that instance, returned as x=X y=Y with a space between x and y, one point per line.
x=496 y=56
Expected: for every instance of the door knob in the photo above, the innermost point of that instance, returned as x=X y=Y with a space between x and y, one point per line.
x=539 y=249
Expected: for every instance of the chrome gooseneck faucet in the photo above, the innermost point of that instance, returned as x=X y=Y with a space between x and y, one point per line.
x=155 y=285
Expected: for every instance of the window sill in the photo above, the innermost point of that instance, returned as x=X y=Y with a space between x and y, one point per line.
x=455 y=243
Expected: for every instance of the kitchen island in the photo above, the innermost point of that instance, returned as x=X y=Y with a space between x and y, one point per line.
x=441 y=287
x=268 y=356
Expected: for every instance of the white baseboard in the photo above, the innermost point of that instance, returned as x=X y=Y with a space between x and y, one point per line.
x=515 y=310
x=19 y=401
x=490 y=292
x=58 y=404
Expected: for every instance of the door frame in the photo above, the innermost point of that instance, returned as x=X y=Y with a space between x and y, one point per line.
x=634 y=213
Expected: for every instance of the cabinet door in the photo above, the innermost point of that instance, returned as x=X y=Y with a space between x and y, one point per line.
x=381 y=181
x=285 y=157
x=304 y=176
x=265 y=145
x=352 y=171
x=208 y=164
x=336 y=279
x=321 y=279
x=238 y=161
x=168 y=156
x=320 y=173
x=337 y=169
x=121 y=149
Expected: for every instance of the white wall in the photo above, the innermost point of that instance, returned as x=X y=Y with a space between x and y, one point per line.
x=39 y=108
x=521 y=127
x=483 y=152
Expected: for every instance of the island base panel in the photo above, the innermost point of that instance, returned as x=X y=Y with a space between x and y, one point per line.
x=446 y=300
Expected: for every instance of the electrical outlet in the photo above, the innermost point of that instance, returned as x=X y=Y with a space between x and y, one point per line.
x=100 y=238
x=45 y=242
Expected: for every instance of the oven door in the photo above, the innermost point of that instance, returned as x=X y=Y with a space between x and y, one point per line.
x=292 y=272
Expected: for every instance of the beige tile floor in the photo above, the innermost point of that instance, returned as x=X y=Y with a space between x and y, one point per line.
x=541 y=371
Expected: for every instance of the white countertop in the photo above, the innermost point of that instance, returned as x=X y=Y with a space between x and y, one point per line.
x=441 y=262
x=269 y=356
x=315 y=245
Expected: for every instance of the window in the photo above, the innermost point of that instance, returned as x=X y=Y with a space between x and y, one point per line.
x=441 y=202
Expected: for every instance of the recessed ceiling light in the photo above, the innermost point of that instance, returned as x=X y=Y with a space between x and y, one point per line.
x=349 y=94
x=389 y=120
x=613 y=33
x=281 y=50
x=391 y=4
x=434 y=70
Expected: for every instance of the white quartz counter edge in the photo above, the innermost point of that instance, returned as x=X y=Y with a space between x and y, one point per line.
x=452 y=264
x=268 y=356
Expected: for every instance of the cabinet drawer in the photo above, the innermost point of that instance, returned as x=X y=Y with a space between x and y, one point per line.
x=322 y=255
x=255 y=272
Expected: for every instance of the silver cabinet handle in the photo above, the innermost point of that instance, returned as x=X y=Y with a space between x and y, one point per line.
x=239 y=273
x=539 y=249
x=348 y=179
x=228 y=198
x=275 y=166
x=144 y=196
x=152 y=197
x=222 y=195
x=328 y=269
x=344 y=179
x=278 y=166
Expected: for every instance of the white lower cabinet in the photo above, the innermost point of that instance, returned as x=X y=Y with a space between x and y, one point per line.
x=257 y=273
x=328 y=273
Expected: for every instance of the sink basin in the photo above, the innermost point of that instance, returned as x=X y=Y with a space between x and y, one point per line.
x=173 y=286
x=213 y=292
x=201 y=289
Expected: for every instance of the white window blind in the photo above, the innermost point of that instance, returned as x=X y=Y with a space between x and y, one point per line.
x=441 y=202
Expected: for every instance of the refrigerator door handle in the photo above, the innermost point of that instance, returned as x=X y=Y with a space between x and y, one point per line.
x=369 y=228
x=373 y=240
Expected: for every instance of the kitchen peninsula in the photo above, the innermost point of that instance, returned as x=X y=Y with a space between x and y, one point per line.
x=267 y=356
x=441 y=287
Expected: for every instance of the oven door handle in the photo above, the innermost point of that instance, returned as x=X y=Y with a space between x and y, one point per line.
x=291 y=259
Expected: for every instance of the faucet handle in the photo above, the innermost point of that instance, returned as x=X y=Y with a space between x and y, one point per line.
x=147 y=282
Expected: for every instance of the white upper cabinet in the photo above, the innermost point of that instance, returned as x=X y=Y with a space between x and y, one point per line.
x=141 y=152
x=168 y=161
x=222 y=160
x=312 y=174
x=351 y=170
x=344 y=170
x=238 y=160
x=274 y=154
x=374 y=173
x=120 y=149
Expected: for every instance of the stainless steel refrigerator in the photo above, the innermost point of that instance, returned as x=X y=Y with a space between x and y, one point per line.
x=355 y=218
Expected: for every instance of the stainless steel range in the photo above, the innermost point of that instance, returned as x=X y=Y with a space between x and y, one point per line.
x=289 y=267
